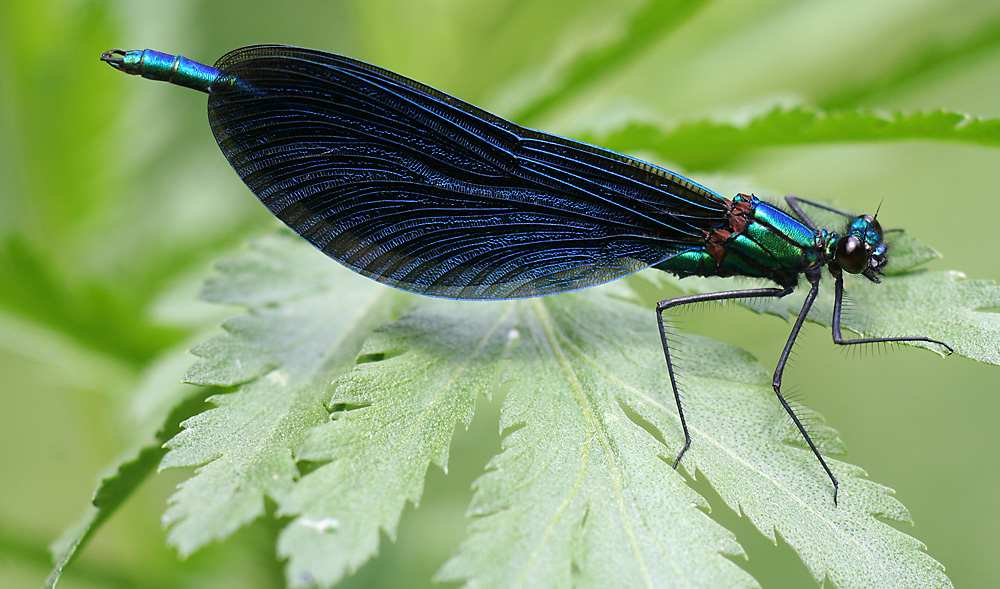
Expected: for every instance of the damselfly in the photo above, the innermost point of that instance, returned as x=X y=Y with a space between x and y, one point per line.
x=424 y=192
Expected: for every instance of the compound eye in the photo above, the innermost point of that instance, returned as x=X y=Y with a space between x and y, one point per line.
x=852 y=255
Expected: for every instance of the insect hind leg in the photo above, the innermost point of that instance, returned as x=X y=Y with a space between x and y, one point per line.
x=664 y=305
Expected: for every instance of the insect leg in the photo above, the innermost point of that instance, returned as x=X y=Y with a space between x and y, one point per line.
x=795 y=203
x=838 y=338
x=701 y=298
x=780 y=369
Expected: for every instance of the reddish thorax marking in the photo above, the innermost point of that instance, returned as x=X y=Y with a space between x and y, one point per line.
x=738 y=216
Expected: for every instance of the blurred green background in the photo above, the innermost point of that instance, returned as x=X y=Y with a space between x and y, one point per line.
x=114 y=201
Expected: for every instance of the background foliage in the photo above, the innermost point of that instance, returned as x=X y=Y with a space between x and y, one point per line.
x=114 y=202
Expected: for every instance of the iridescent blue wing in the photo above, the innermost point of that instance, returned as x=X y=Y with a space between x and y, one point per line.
x=424 y=192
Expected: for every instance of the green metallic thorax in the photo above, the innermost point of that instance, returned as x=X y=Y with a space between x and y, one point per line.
x=758 y=240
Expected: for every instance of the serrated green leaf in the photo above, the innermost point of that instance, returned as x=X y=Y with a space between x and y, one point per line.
x=394 y=417
x=844 y=543
x=305 y=323
x=115 y=489
x=597 y=498
x=582 y=495
x=705 y=144
x=583 y=492
x=748 y=449
x=906 y=253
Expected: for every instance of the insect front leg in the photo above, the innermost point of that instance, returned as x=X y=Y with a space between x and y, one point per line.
x=838 y=338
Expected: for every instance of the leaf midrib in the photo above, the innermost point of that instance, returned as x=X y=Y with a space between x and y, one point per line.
x=555 y=343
